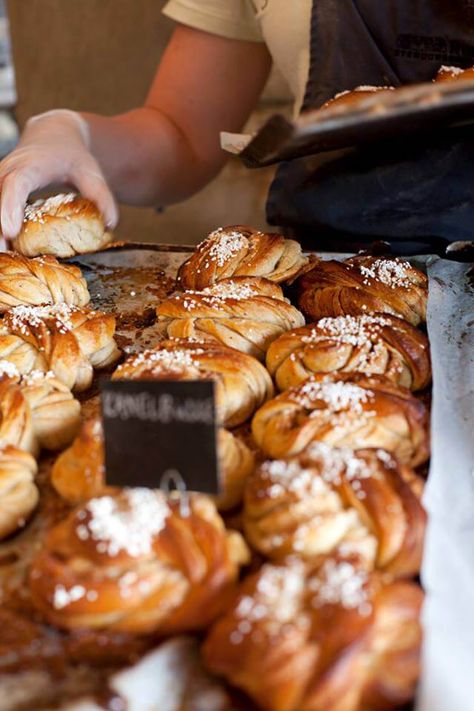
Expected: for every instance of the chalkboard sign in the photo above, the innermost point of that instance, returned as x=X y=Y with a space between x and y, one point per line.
x=160 y=426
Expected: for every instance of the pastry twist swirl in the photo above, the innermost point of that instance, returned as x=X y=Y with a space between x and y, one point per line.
x=335 y=638
x=136 y=562
x=241 y=251
x=380 y=344
x=36 y=411
x=67 y=340
x=242 y=383
x=18 y=492
x=63 y=225
x=364 y=285
x=330 y=501
x=35 y=282
x=78 y=473
x=344 y=410
x=245 y=313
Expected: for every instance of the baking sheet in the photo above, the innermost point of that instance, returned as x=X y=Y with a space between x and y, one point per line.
x=448 y=571
x=408 y=110
x=448 y=574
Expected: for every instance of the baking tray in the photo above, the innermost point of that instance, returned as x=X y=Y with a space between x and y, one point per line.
x=420 y=108
x=130 y=280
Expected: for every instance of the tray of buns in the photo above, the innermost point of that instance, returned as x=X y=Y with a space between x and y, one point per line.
x=363 y=115
x=298 y=587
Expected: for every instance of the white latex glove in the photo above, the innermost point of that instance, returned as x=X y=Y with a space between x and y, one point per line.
x=54 y=148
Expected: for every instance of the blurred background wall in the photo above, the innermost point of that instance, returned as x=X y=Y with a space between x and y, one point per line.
x=100 y=55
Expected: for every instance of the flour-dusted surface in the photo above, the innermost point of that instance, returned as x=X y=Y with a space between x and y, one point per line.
x=448 y=569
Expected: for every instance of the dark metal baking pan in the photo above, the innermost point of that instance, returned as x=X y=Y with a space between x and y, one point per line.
x=408 y=110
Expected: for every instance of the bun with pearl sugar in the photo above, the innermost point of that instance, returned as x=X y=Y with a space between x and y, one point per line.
x=78 y=473
x=337 y=501
x=242 y=383
x=378 y=344
x=36 y=410
x=246 y=313
x=364 y=285
x=18 y=492
x=62 y=225
x=241 y=251
x=136 y=561
x=39 y=281
x=67 y=340
x=344 y=410
x=333 y=638
x=454 y=74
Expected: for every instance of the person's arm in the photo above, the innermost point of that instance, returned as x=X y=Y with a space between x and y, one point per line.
x=155 y=155
x=170 y=148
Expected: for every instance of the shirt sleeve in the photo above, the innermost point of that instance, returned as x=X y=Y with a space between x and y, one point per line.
x=234 y=19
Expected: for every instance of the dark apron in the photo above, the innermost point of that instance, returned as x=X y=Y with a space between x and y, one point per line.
x=415 y=193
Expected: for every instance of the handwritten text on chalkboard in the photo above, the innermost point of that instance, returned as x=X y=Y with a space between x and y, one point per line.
x=151 y=427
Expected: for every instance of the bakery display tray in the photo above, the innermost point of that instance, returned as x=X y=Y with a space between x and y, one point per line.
x=130 y=280
x=412 y=109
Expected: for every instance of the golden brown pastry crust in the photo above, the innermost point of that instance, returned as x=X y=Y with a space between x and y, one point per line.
x=67 y=340
x=63 y=225
x=36 y=411
x=246 y=313
x=355 y=97
x=364 y=285
x=344 y=410
x=40 y=281
x=242 y=383
x=454 y=74
x=137 y=562
x=18 y=492
x=336 y=501
x=336 y=638
x=236 y=463
x=78 y=473
x=371 y=344
x=241 y=251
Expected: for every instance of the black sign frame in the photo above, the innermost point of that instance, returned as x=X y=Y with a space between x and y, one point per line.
x=154 y=427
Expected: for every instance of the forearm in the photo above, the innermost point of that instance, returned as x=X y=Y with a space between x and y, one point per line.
x=155 y=155
x=148 y=160
x=169 y=149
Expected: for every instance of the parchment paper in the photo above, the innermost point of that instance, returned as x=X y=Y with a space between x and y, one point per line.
x=448 y=567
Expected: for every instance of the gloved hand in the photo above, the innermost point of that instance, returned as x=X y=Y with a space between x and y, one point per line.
x=54 y=148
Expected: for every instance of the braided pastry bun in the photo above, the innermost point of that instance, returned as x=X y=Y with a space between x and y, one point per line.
x=363 y=285
x=336 y=501
x=236 y=463
x=355 y=97
x=337 y=639
x=78 y=473
x=66 y=340
x=36 y=411
x=18 y=492
x=245 y=313
x=62 y=225
x=454 y=74
x=379 y=344
x=35 y=282
x=242 y=383
x=344 y=410
x=137 y=562
x=241 y=251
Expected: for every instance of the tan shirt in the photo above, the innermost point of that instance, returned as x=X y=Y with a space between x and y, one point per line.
x=284 y=26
